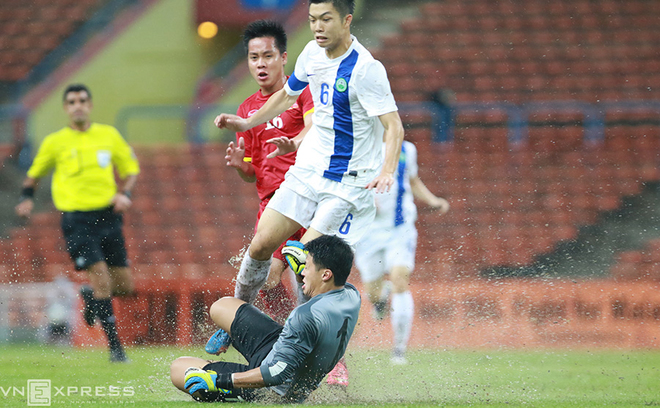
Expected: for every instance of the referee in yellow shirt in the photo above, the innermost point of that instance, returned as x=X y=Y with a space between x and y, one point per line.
x=84 y=156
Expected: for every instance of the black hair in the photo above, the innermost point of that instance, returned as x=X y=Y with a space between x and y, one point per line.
x=265 y=28
x=332 y=252
x=76 y=88
x=344 y=7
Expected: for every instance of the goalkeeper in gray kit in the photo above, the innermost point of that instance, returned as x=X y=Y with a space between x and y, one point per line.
x=290 y=360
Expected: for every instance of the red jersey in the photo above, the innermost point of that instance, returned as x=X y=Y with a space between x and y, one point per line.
x=270 y=172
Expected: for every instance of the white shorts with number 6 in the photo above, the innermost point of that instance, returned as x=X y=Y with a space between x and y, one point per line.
x=327 y=206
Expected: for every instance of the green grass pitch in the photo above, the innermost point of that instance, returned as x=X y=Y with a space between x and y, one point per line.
x=449 y=378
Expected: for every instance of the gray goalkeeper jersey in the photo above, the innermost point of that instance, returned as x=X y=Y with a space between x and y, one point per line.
x=313 y=340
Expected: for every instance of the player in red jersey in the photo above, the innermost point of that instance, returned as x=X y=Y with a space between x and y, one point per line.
x=265 y=42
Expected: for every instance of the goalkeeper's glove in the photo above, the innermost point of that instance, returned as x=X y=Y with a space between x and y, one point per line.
x=296 y=255
x=202 y=380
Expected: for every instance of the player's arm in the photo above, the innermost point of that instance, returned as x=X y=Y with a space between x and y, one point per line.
x=393 y=138
x=421 y=192
x=127 y=164
x=236 y=158
x=122 y=201
x=43 y=162
x=247 y=379
x=26 y=202
x=276 y=104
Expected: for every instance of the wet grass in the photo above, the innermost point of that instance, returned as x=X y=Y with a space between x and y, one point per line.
x=503 y=378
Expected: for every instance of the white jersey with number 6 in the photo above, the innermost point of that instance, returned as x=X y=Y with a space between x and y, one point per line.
x=349 y=92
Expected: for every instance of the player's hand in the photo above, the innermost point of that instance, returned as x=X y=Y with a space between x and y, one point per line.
x=121 y=203
x=24 y=208
x=283 y=145
x=440 y=205
x=295 y=254
x=382 y=183
x=236 y=154
x=231 y=122
x=198 y=379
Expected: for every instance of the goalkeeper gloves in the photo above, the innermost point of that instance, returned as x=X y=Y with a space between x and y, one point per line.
x=295 y=254
x=201 y=380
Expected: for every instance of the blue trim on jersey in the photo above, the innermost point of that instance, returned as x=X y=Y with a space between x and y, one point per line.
x=343 y=122
x=295 y=84
x=398 y=214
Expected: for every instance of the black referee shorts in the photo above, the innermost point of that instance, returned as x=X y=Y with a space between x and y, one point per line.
x=94 y=236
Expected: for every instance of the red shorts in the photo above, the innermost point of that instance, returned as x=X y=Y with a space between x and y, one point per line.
x=295 y=237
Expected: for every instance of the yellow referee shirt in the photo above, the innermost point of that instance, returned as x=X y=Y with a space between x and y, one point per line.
x=84 y=162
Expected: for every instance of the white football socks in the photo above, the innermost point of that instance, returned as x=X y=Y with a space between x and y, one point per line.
x=403 y=308
x=251 y=277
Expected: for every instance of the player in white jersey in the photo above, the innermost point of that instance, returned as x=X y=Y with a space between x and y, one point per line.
x=329 y=188
x=389 y=248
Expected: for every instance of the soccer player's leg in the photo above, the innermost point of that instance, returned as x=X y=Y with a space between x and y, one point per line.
x=122 y=281
x=371 y=263
x=116 y=256
x=401 y=260
x=403 y=308
x=276 y=298
x=179 y=367
x=89 y=308
x=76 y=233
x=223 y=313
x=100 y=280
x=252 y=332
x=378 y=292
x=272 y=230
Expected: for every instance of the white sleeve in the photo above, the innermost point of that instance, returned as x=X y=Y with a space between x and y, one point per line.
x=411 y=158
x=298 y=79
x=374 y=91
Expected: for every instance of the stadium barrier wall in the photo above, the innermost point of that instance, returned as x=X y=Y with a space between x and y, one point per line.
x=163 y=311
x=468 y=314
x=526 y=314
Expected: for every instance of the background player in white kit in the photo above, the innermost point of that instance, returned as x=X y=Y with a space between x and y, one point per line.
x=328 y=189
x=389 y=248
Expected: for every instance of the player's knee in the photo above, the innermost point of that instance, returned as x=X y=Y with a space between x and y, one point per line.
x=218 y=306
x=177 y=370
x=400 y=278
x=373 y=290
x=262 y=249
x=223 y=311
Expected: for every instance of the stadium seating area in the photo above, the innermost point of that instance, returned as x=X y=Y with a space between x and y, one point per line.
x=30 y=29
x=510 y=201
x=640 y=264
x=514 y=201
x=518 y=51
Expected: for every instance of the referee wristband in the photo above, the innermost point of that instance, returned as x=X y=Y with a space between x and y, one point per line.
x=26 y=193
x=127 y=194
x=224 y=381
